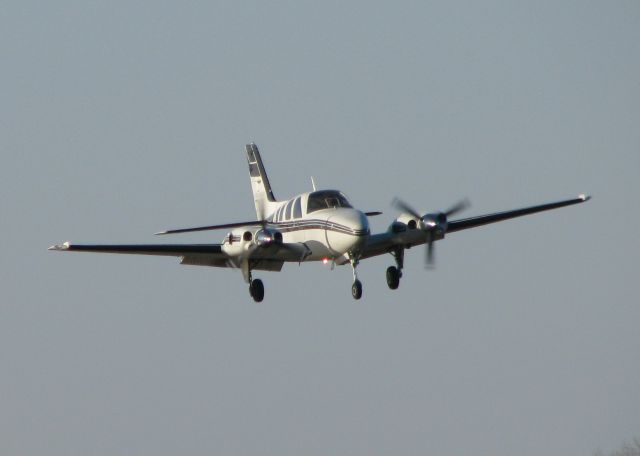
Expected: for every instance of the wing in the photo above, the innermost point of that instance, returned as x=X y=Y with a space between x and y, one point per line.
x=195 y=254
x=268 y=257
x=143 y=249
x=473 y=222
x=381 y=243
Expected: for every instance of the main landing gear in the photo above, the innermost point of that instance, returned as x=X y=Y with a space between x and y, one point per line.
x=395 y=273
x=393 y=277
x=256 y=290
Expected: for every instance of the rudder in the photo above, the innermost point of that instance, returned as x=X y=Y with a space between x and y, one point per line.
x=262 y=193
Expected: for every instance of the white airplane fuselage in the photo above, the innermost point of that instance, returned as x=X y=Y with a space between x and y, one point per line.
x=327 y=233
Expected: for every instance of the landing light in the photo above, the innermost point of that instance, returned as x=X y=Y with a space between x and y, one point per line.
x=325 y=260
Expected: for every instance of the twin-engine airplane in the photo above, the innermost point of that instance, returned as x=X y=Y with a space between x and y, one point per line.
x=316 y=226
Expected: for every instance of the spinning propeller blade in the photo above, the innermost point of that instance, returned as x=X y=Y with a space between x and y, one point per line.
x=404 y=207
x=429 y=254
x=458 y=207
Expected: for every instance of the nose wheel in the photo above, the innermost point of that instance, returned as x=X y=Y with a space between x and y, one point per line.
x=256 y=290
x=356 y=289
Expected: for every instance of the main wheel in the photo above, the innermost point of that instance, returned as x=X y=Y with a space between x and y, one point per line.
x=393 y=277
x=256 y=290
x=356 y=290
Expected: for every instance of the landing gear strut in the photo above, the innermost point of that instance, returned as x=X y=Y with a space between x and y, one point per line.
x=356 y=288
x=395 y=273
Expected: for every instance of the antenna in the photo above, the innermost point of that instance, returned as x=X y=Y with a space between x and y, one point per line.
x=313 y=183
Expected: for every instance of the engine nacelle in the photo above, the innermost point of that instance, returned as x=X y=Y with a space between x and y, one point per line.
x=267 y=237
x=398 y=227
x=403 y=223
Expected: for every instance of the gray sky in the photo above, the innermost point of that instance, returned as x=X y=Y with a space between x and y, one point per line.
x=118 y=119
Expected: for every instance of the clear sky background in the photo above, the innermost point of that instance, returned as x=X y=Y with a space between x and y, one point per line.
x=119 y=119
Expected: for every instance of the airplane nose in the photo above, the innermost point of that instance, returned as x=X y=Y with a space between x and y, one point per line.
x=359 y=223
x=347 y=230
x=352 y=221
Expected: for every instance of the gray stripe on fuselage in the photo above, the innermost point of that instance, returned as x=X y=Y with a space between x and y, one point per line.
x=299 y=225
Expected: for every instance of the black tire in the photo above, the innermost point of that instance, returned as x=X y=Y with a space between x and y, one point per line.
x=393 y=277
x=256 y=290
x=356 y=290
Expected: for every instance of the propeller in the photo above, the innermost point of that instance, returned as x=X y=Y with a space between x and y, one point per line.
x=432 y=224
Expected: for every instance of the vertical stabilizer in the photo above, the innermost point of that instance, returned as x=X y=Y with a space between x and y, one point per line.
x=262 y=193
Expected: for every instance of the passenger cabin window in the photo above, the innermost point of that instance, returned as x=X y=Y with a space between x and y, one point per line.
x=326 y=199
x=286 y=214
x=297 y=208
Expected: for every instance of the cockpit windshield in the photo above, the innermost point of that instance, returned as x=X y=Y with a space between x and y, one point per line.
x=326 y=199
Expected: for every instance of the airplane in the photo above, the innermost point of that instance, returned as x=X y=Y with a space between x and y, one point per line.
x=320 y=225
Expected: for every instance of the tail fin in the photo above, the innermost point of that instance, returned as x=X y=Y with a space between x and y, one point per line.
x=262 y=193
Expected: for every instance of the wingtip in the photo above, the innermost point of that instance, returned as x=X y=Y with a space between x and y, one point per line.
x=160 y=233
x=63 y=246
x=584 y=197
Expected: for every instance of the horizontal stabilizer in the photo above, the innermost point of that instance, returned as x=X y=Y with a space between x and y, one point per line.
x=214 y=227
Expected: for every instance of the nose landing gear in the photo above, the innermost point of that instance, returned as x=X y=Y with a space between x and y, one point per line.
x=356 y=288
